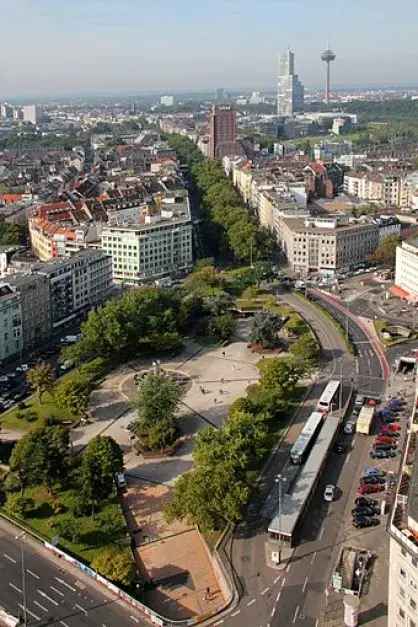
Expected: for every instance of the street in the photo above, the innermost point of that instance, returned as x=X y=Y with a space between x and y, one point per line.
x=55 y=595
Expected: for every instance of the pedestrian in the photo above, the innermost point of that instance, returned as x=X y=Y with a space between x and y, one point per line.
x=216 y=401
x=223 y=354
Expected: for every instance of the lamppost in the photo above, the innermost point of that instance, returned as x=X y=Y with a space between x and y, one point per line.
x=21 y=537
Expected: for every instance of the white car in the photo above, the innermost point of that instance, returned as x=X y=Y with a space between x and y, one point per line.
x=329 y=493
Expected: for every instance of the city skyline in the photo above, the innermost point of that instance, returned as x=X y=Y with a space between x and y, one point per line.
x=121 y=47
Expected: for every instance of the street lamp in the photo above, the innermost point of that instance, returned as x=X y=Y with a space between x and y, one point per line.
x=21 y=537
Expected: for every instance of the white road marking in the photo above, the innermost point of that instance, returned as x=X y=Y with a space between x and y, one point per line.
x=80 y=608
x=317 y=622
x=218 y=623
x=9 y=558
x=134 y=618
x=64 y=583
x=32 y=573
x=283 y=580
x=296 y=614
x=321 y=533
x=278 y=596
x=305 y=583
x=348 y=457
x=44 y=594
x=264 y=591
x=236 y=613
x=272 y=611
x=57 y=591
x=29 y=612
x=15 y=587
x=288 y=567
x=251 y=602
x=277 y=579
x=45 y=609
x=313 y=558
x=64 y=624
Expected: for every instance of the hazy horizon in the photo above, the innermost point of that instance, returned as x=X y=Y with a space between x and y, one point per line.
x=118 y=47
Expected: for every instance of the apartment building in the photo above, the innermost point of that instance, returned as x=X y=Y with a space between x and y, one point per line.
x=11 y=336
x=403 y=538
x=382 y=188
x=326 y=245
x=33 y=291
x=159 y=245
x=406 y=270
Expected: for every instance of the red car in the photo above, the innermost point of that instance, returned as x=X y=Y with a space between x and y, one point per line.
x=393 y=426
x=385 y=439
x=367 y=488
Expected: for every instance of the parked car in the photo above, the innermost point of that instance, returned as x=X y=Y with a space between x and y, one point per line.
x=391 y=428
x=360 y=523
x=385 y=447
x=361 y=501
x=389 y=419
x=22 y=368
x=340 y=448
x=389 y=432
x=373 y=480
x=379 y=454
x=329 y=493
x=366 y=488
x=365 y=510
x=385 y=439
x=349 y=428
x=372 y=471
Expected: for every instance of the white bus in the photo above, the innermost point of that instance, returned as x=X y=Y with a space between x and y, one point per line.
x=306 y=439
x=328 y=400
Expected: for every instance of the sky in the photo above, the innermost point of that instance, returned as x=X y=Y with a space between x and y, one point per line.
x=54 y=47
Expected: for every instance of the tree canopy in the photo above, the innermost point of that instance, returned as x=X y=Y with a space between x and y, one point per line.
x=41 y=379
x=385 y=253
x=101 y=460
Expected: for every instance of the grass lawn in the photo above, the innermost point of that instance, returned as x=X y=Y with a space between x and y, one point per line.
x=92 y=535
x=47 y=409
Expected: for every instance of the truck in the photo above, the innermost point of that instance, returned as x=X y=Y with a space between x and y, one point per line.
x=365 y=420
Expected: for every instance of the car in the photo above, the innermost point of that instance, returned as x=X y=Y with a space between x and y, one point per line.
x=385 y=447
x=329 y=493
x=349 y=428
x=366 y=488
x=340 y=448
x=372 y=471
x=360 y=523
x=385 y=439
x=365 y=510
x=359 y=400
x=372 y=480
x=392 y=427
x=121 y=480
x=22 y=368
x=361 y=501
x=379 y=454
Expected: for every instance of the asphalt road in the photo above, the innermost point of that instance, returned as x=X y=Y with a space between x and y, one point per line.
x=276 y=598
x=55 y=595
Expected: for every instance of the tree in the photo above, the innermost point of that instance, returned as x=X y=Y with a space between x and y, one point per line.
x=385 y=253
x=265 y=328
x=68 y=527
x=241 y=236
x=41 y=456
x=280 y=374
x=115 y=564
x=41 y=379
x=18 y=505
x=101 y=460
x=72 y=394
x=306 y=350
x=157 y=402
x=222 y=327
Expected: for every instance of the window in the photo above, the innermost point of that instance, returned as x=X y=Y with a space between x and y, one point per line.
x=401 y=613
x=413 y=604
x=402 y=573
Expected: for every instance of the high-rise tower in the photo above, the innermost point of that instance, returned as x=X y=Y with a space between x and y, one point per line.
x=328 y=56
x=222 y=131
x=290 y=91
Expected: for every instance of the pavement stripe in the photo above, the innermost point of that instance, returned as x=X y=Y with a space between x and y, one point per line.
x=272 y=611
x=277 y=579
x=64 y=583
x=44 y=594
x=278 y=596
x=80 y=608
x=236 y=613
x=313 y=558
x=296 y=614
x=45 y=609
x=264 y=591
x=64 y=624
x=133 y=618
x=9 y=558
x=15 y=587
x=57 y=591
x=288 y=567
x=218 y=623
x=283 y=580
x=250 y=602
x=305 y=583
x=29 y=612
x=32 y=574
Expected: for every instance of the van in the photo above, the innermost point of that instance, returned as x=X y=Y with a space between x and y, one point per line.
x=120 y=480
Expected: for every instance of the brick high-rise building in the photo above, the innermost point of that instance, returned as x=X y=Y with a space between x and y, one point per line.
x=222 y=132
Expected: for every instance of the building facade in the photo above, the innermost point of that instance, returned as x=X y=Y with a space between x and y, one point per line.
x=406 y=269
x=290 y=91
x=11 y=336
x=161 y=246
x=222 y=131
x=326 y=245
x=33 y=290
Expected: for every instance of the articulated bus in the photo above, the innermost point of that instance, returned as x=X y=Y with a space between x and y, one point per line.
x=329 y=399
x=306 y=439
